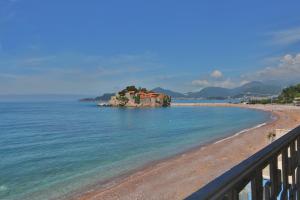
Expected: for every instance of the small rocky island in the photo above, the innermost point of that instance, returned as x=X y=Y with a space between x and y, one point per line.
x=139 y=97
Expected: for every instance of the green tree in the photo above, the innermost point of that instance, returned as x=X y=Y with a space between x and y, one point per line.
x=288 y=94
x=131 y=88
x=166 y=101
x=122 y=100
x=137 y=99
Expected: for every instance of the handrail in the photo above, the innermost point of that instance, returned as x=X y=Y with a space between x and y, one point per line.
x=233 y=181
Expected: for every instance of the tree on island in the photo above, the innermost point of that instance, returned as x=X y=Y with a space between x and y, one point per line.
x=127 y=89
x=166 y=101
x=132 y=88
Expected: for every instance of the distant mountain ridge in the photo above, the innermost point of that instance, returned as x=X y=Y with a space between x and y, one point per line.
x=104 y=97
x=254 y=88
x=169 y=92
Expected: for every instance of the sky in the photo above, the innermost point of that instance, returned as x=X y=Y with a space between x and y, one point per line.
x=92 y=47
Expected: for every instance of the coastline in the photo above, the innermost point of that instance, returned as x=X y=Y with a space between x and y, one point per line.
x=180 y=175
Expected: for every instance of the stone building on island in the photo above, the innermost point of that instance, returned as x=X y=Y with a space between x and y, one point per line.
x=133 y=97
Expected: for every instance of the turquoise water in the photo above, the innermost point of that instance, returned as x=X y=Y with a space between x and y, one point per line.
x=49 y=149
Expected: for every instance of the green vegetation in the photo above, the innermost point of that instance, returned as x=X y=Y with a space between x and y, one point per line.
x=143 y=90
x=166 y=101
x=127 y=89
x=137 y=99
x=133 y=89
x=288 y=94
x=123 y=100
x=261 y=101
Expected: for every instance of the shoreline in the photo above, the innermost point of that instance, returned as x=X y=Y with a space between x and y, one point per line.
x=119 y=179
x=130 y=184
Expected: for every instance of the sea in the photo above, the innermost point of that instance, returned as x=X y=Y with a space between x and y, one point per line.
x=51 y=149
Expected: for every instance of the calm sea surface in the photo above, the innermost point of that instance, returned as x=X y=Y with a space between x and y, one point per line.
x=48 y=149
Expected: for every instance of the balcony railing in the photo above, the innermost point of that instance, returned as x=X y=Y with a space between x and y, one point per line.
x=271 y=173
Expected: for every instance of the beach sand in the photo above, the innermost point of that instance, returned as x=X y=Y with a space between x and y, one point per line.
x=181 y=175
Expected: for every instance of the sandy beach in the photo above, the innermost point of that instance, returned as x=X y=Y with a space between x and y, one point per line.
x=181 y=175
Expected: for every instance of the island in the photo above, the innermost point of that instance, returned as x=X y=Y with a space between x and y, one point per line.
x=139 y=97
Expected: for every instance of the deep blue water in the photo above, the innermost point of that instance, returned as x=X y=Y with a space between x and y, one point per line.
x=48 y=149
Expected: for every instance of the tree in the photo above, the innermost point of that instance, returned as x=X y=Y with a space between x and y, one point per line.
x=122 y=100
x=137 y=99
x=143 y=90
x=166 y=101
x=288 y=94
x=131 y=88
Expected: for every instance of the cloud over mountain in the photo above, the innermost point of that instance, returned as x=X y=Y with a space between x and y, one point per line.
x=286 y=69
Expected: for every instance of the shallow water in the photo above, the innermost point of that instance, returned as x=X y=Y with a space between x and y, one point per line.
x=48 y=149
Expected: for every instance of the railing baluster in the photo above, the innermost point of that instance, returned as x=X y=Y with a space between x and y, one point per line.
x=297 y=184
x=267 y=191
x=257 y=187
x=285 y=176
x=232 y=195
x=292 y=167
x=274 y=177
x=297 y=170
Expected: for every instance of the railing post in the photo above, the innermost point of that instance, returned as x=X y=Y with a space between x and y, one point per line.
x=285 y=177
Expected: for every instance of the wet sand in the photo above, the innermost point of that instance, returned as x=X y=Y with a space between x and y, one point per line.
x=181 y=175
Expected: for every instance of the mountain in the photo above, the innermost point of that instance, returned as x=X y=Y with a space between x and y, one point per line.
x=211 y=93
x=169 y=92
x=257 y=88
x=254 y=88
x=104 y=97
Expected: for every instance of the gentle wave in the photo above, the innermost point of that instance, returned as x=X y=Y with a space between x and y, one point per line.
x=240 y=132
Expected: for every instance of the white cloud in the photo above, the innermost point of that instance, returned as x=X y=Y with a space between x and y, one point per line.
x=283 y=69
x=286 y=37
x=216 y=74
x=215 y=79
x=287 y=68
x=201 y=83
x=226 y=83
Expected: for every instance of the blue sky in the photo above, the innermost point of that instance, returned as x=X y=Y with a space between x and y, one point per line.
x=92 y=47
